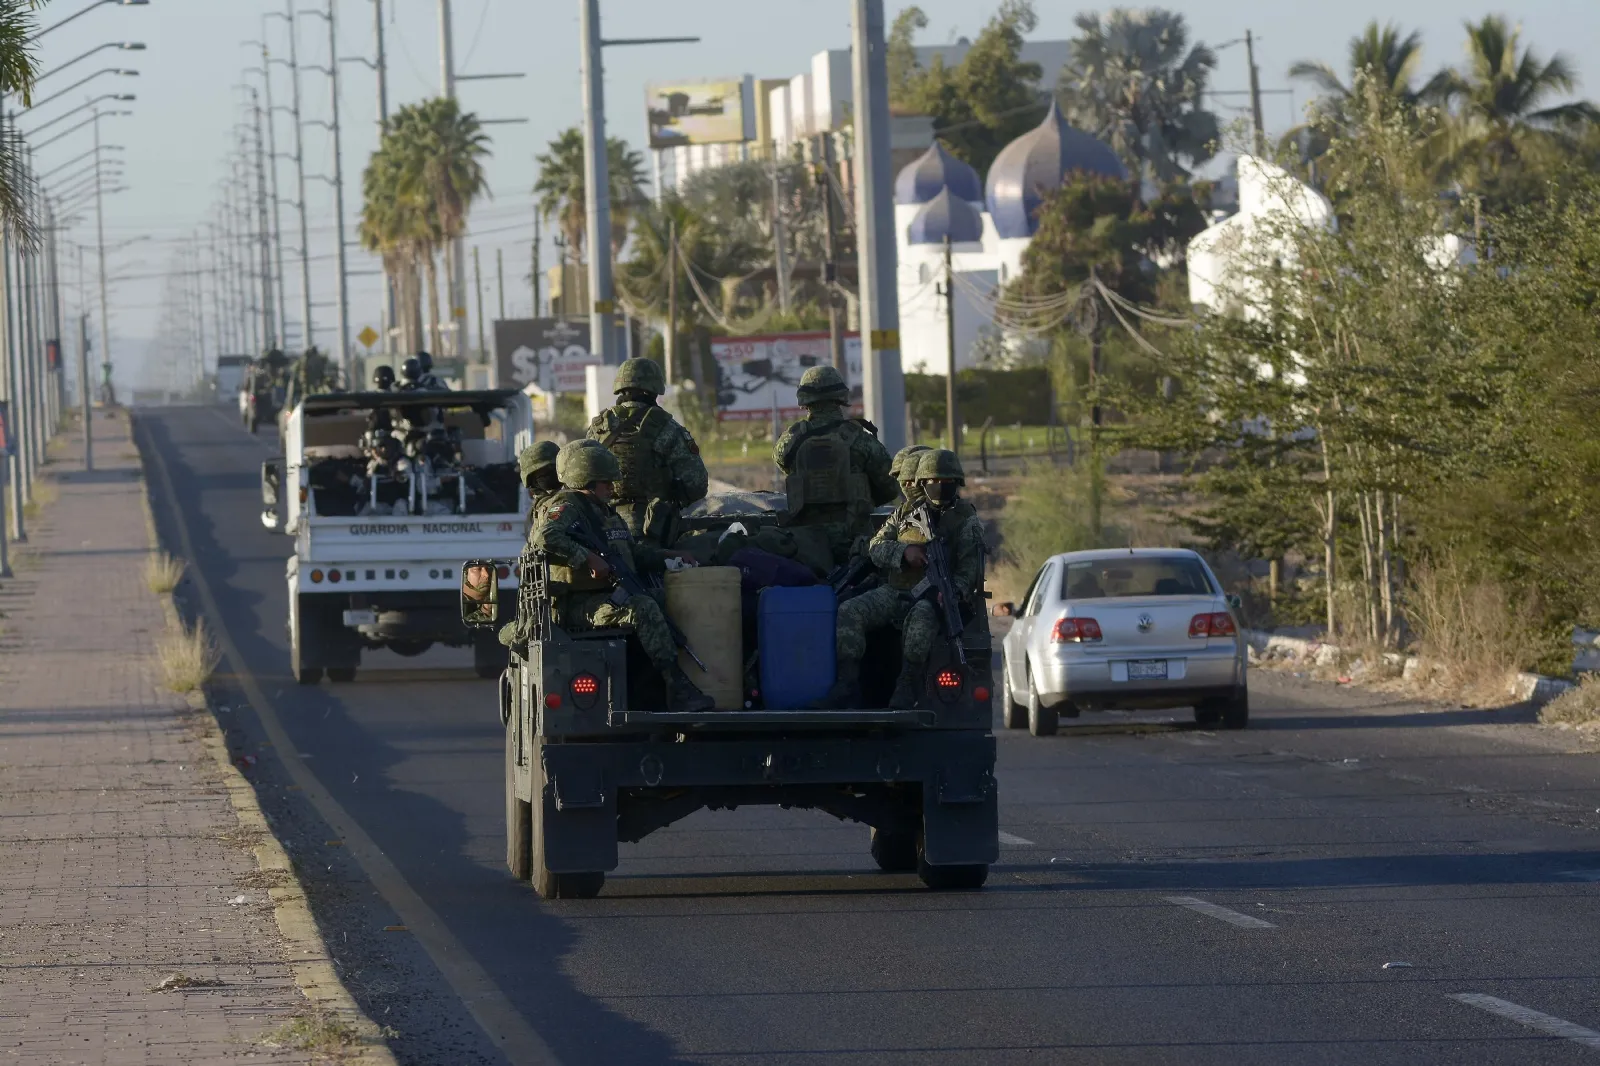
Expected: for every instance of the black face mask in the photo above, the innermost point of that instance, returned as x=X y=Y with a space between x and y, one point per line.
x=544 y=481
x=943 y=493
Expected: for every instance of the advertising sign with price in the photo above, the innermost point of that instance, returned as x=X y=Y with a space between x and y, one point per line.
x=757 y=376
x=549 y=353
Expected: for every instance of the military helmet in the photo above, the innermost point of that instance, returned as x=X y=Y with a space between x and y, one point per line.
x=904 y=466
x=425 y=361
x=643 y=374
x=583 y=462
x=822 y=384
x=411 y=369
x=537 y=457
x=383 y=378
x=940 y=464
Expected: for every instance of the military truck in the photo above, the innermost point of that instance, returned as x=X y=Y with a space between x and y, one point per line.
x=592 y=759
x=385 y=494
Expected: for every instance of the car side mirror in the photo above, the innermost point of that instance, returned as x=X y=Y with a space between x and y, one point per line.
x=1007 y=609
x=1235 y=601
x=480 y=593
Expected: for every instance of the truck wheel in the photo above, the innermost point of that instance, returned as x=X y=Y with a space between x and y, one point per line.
x=967 y=877
x=341 y=675
x=410 y=648
x=489 y=657
x=305 y=675
x=548 y=884
x=894 y=849
x=519 y=817
x=1015 y=714
x=1042 y=720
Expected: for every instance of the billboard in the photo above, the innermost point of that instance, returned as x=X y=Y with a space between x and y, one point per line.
x=757 y=376
x=700 y=112
x=550 y=353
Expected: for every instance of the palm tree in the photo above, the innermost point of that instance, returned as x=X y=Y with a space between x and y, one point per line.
x=1390 y=60
x=561 y=187
x=1500 y=100
x=17 y=73
x=400 y=229
x=1133 y=81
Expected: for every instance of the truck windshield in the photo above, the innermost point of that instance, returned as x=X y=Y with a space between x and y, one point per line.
x=1176 y=575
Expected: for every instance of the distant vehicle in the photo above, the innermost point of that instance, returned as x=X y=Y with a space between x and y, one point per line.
x=1146 y=628
x=231 y=370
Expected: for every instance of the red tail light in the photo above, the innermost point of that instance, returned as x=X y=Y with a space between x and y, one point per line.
x=1075 y=631
x=1212 y=625
x=552 y=700
x=585 y=685
x=948 y=679
x=334 y=576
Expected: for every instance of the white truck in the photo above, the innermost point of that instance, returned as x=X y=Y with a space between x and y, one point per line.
x=386 y=494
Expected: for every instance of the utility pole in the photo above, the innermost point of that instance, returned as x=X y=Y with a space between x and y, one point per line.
x=602 y=335
x=268 y=321
x=381 y=68
x=300 y=177
x=14 y=385
x=100 y=243
x=343 y=346
x=1255 y=94
x=85 y=407
x=780 y=248
x=456 y=260
x=669 y=347
x=500 y=281
x=884 y=386
x=477 y=279
x=280 y=303
x=952 y=420
x=830 y=269
x=538 y=277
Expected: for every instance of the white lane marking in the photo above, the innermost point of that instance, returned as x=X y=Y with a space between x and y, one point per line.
x=1014 y=841
x=1243 y=921
x=1533 y=1019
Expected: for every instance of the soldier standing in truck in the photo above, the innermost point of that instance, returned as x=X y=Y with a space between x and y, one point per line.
x=661 y=468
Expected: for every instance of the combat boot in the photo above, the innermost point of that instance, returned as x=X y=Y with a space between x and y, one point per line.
x=907 y=688
x=683 y=695
x=846 y=690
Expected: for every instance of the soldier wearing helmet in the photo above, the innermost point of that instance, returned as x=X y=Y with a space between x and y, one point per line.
x=383 y=378
x=537 y=465
x=898 y=551
x=583 y=585
x=410 y=375
x=662 y=471
x=904 y=470
x=426 y=378
x=835 y=469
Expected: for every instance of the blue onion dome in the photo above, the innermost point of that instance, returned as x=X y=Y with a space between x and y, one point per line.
x=937 y=169
x=944 y=216
x=1033 y=165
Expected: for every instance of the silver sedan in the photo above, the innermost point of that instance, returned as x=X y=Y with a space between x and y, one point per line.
x=1146 y=628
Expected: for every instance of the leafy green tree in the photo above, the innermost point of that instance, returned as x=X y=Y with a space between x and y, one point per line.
x=905 y=73
x=1391 y=60
x=18 y=69
x=1134 y=82
x=561 y=187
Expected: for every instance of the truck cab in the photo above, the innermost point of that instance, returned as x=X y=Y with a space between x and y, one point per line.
x=385 y=494
x=592 y=758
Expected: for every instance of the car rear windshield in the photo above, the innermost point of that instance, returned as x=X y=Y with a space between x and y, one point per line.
x=1177 y=575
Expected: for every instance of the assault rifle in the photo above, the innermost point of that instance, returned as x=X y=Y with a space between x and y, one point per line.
x=938 y=580
x=848 y=578
x=630 y=582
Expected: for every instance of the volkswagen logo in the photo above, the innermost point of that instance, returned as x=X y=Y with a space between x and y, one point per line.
x=1146 y=623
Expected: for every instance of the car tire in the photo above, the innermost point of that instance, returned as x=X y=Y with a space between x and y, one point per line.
x=1015 y=714
x=966 y=877
x=894 y=849
x=551 y=885
x=1208 y=714
x=1042 y=720
x=1236 y=710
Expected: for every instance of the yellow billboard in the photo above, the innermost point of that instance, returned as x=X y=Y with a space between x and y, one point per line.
x=700 y=112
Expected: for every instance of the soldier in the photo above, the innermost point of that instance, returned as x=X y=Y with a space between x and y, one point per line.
x=383 y=379
x=476 y=588
x=426 y=378
x=583 y=585
x=898 y=551
x=835 y=469
x=537 y=464
x=662 y=472
x=410 y=375
x=904 y=470
x=313 y=374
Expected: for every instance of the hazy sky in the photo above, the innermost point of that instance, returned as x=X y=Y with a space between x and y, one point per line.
x=183 y=127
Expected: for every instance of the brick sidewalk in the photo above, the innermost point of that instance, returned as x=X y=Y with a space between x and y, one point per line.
x=116 y=866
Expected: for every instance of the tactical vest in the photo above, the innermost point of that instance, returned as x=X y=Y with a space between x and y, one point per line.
x=632 y=436
x=822 y=476
x=609 y=527
x=945 y=527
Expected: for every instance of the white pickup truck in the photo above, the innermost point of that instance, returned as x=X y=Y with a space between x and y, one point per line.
x=386 y=494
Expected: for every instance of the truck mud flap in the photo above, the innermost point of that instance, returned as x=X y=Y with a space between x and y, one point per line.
x=961 y=814
x=579 y=810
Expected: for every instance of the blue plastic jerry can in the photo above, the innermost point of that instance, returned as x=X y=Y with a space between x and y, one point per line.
x=794 y=630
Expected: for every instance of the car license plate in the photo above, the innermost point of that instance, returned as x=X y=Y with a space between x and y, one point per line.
x=1147 y=670
x=370 y=618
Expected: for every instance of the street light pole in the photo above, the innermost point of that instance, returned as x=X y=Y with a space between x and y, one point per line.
x=268 y=323
x=342 y=345
x=100 y=244
x=300 y=176
x=279 y=302
x=602 y=334
x=382 y=70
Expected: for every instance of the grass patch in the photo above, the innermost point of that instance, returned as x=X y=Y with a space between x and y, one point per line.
x=162 y=572
x=1473 y=632
x=1578 y=706
x=186 y=656
x=315 y=1031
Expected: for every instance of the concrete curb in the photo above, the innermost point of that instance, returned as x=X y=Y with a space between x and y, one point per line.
x=308 y=956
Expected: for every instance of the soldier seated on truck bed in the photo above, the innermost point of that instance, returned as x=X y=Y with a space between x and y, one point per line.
x=898 y=550
x=583 y=585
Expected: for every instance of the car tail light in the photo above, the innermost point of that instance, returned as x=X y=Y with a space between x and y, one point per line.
x=316 y=577
x=585 y=688
x=334 y=576
x=504 y=571
x=1075 y=631
x=1219 y=624
x=981 y=694
x=948 y=679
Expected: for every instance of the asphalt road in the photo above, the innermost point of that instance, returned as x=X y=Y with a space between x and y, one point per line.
x=1163 y=897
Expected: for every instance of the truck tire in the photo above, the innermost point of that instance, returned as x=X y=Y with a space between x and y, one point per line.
x=489 y=657
x=305 y=675
x=1042 y=720
x=967 y=877
x=341 y=675
x=548 y=884
x=1014 y=713
x=519 y=817
x=894 y=848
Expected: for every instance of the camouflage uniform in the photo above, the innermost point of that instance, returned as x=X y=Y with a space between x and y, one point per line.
x=537 y=465
x=836 y=471
x=958 y=526
x=904 y=470
x=662 y=471
x=312 y=374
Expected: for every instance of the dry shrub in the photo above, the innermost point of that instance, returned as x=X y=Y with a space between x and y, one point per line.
x=1578 y=706
x=186 y=656
x=317 y=1031
x=1473 y=632
x=162 y=572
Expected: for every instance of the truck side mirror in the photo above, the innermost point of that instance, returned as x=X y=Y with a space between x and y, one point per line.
x=271 y=484
x=480 y=593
